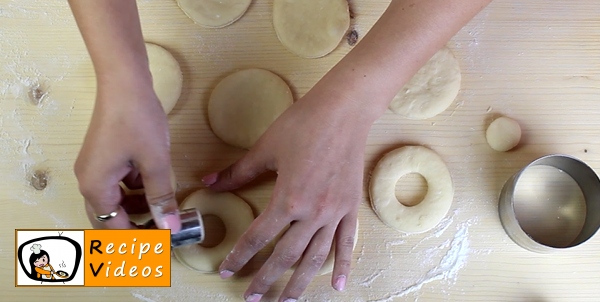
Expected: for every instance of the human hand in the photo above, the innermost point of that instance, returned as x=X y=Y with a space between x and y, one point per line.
x=127 y=140
x=317 y=147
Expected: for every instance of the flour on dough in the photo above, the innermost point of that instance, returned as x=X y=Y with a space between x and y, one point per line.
x=245 y=104
x=311 y=28
x=167 y=78
x=214 y=13
x=431 y=90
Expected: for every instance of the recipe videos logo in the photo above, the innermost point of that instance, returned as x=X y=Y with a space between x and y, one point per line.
x=93 y=258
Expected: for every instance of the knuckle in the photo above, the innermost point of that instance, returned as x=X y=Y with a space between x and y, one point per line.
x=288 y=258
x=317 y=260
x=161 y=199
x=254 y=242
x=347 y=241
x=343 y=264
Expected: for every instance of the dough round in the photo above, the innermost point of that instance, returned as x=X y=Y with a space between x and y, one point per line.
x=167 y=78
x=503 y=134
x=245 y=104
x=431 y=90
x=214 y=13
x=236 y=215
x=311 y=28
x=393 y=166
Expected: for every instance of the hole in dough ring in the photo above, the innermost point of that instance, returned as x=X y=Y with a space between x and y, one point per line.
x=214 y=13
x=236 y=215
x=393 y=166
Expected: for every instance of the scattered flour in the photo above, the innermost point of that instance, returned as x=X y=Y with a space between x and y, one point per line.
x=448 y=268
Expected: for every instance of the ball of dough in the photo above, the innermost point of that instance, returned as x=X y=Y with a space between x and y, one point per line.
x=431 y=90
x=245 y=104
x=436 y=203
x=167 y=78
x=236 y=215
x=214 y=13
x=311 y=28
x=503 y=134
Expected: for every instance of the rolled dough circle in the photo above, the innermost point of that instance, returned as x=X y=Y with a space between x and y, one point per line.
x=245 y=104
x=167 y=78
x=214 y=13
x=438 y=199
x=311 y=28
x=236 y=215
x=431 y=90
x=503 y=134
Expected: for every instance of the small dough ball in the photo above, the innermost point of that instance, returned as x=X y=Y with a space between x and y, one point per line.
x=311 y=28
x=436 y=203
x=503 y=134
x=431 y=90
x=245 y=104
x=236 y=215
x=214 y=13
x=167 y=78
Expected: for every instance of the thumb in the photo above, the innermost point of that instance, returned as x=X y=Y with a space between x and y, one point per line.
x=160 y=195
x=238 y=174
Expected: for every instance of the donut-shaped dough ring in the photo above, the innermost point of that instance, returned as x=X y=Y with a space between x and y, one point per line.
x=393 y=166
x=236 y=215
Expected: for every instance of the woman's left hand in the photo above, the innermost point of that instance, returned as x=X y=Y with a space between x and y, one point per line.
x=317 y=148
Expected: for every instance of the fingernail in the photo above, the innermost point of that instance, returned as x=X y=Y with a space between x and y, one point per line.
x=172 y=221
x=210 y=179
x=254 y=298
x=290 y=300
x=340 y=283
x=226 y=274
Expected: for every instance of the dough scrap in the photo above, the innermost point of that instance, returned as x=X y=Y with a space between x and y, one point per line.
x=503 y=134
x=393 y=166
x=311 y=28
x=431 y=90
x=214 y=13
x=245 y=104
x=167 y=78
x=236 y=215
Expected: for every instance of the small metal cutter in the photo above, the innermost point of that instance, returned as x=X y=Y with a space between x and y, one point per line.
x=192 y=228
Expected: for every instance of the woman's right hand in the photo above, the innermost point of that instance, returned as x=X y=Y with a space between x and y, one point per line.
x=127 y=140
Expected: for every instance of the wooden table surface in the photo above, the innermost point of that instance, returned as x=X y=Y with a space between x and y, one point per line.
x=535 y=61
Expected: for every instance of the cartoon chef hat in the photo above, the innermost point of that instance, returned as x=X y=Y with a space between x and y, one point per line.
x=36 y=248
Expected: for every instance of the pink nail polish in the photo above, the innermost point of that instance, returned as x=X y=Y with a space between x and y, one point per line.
x=254 y=298
x=340 y=283
x=290 y=300
x=171 y=221
x=226 y=274
x=210 y=179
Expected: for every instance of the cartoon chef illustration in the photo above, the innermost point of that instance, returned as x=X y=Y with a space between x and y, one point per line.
x=40 y=264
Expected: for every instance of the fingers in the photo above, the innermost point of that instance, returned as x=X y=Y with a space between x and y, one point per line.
x=344 y=245
x=160 y=195
x=121 y=221
x=311 y=262
x=259 y=234
x=286 y=253
x=238 y=174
